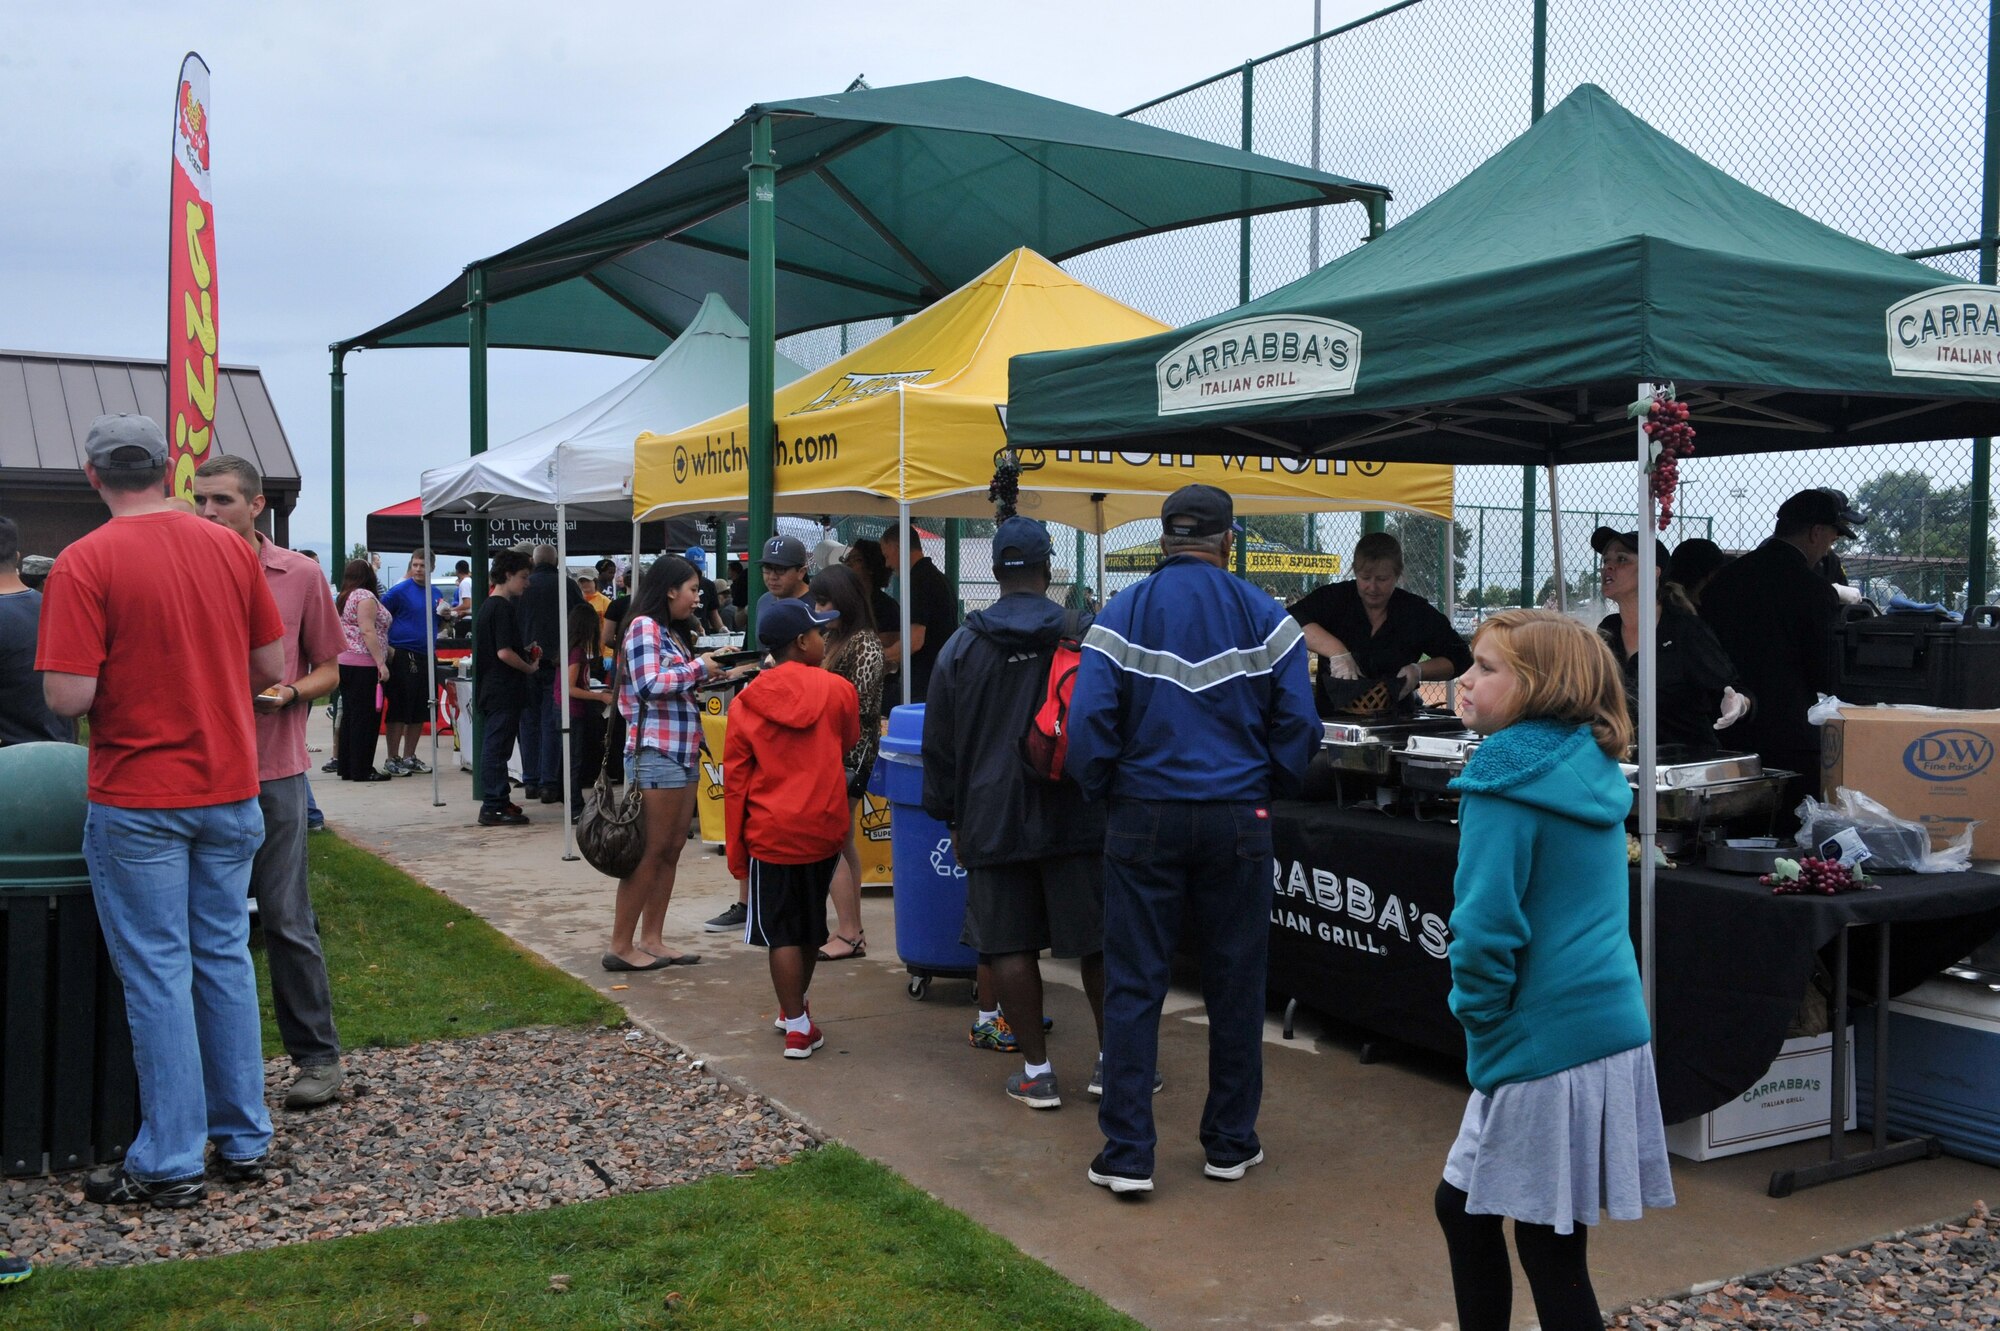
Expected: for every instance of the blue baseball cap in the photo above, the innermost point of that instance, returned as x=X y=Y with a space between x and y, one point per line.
x=785 y=620
x=1019 y=543
x=697 y=556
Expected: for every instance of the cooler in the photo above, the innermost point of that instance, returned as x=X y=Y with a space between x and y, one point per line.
x=1944 y=1068
x=930 y=886
x=1917 y=659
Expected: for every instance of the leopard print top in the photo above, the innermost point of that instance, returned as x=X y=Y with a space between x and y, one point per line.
x=858 y=660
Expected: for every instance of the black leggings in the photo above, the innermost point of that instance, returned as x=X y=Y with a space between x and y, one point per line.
x=360 y=721
x=1556 y=1265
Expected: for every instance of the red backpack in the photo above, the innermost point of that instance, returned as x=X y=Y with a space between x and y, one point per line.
x=1045 y=748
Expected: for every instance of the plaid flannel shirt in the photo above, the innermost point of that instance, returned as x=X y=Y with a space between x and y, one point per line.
x=656 y=662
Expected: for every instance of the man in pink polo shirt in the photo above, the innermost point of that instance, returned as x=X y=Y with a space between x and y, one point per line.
x=229 y=491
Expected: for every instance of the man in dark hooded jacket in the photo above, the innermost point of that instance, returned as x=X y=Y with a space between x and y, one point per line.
x=1032 y=850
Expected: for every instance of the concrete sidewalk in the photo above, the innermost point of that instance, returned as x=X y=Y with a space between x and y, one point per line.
x=1334 y=1230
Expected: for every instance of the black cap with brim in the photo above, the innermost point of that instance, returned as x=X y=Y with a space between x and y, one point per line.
x=1606 y=536
x=1821 y=508
x=785 y=620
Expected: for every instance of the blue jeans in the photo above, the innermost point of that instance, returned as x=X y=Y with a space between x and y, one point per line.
x=541 y=733
x=172 y=888
x=1212 y=861
x=501 y=725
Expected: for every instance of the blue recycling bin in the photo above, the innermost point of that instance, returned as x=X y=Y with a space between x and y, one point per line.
x=930 y=886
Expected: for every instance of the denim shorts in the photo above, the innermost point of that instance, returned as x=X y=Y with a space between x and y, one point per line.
x=650 y=769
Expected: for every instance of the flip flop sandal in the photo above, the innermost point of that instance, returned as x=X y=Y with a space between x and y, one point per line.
x=858 y=948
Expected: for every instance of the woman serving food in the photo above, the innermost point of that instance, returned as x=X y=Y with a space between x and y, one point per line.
x=1371 y=629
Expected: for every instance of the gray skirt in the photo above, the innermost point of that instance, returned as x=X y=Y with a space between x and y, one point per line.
x=1559 y=1149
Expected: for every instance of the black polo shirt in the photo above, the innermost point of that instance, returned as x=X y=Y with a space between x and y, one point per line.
x=1411 y=629
x=1693 y=672
x=934 y=605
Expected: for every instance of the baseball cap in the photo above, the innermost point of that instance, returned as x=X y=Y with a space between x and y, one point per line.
x=785 y=552
x=697 y=556
x=1694 y=559
x=1197 y=510
x=1020 y=542
x=1605 y=536
x=125 y=442
x=784 y=621
x=1821 y=508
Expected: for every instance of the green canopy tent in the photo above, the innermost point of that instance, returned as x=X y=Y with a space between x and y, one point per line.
x=893 y=197
x=1516 y=317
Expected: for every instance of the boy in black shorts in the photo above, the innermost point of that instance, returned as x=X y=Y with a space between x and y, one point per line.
x=785 y=802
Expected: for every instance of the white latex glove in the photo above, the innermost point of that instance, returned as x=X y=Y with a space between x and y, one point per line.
x=1411 y=675
x=1848 y=595
x=1734 y=708
x=1343 y=666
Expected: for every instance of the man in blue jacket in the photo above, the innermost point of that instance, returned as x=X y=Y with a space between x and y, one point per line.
x=1192 y=709
x=1032 y=852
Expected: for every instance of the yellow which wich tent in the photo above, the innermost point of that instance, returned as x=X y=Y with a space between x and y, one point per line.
x=913 y=423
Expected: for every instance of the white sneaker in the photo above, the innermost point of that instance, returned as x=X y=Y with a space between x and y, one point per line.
x=1231 y=1173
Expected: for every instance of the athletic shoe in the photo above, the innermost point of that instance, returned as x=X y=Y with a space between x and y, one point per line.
x=330 y=765
x=1096 y=1087
x=996 y=1035
x=316 y=824
x=13 y=1270
x=415 y=767
x=115 y=1187
x=316 y=1085
x=394 y=767
x=504 y=818
x=244 y=1171
x=729 y=921
x=779 y=1021
x=1035 y=1092
x=1230 y=1173
x=800 y=1044
x=1103 y=1176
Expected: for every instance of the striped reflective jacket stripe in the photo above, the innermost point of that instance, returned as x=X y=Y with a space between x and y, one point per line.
x=1196 y=676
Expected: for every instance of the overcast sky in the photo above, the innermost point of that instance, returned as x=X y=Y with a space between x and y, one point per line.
x=365 y=152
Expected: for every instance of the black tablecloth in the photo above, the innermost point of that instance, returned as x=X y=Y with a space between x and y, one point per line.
x=1357 y=931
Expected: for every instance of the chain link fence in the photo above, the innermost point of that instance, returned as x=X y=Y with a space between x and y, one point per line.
x=1869 y=118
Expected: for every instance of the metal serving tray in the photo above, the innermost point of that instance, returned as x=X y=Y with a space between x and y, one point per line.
x=1701 y=772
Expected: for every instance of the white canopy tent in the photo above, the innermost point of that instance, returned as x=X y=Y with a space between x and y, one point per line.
x=580 y=467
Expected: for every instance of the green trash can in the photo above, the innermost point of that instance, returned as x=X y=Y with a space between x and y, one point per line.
x=69 y=1097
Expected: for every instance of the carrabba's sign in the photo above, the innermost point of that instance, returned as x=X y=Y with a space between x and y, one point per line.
x=1947 y=333
x=1251 y=362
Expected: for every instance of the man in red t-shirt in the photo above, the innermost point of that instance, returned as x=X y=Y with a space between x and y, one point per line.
x=229 y=491
x=159 y=627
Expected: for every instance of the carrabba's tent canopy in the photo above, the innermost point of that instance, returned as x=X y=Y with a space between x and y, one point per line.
x=1509 y=321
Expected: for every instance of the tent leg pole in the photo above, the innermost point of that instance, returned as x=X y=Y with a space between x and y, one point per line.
x=632 y=578
x=1450 y=576
x=562 y=667
x=1556 y=539
x=1097 y=501
x=431 y=666
x=763 y=321
x=1648 y=756
x=337 y=489
x=904 y=535
x=475 y=341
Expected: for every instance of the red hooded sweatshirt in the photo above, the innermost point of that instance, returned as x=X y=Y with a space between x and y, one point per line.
x=784 y=786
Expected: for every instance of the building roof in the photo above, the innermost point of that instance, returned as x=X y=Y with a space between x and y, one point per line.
x=48 y=400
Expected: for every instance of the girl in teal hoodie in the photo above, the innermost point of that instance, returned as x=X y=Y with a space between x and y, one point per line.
x=1564 y=1119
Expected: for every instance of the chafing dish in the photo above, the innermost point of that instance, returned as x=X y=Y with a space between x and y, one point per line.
x=1427 y=764
x=1358 y=755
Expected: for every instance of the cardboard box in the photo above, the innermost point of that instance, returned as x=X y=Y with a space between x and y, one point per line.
x=1932 y=767
x=1791 y=1102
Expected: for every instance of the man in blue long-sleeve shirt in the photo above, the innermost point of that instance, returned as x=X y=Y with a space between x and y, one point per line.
x=1192 y=709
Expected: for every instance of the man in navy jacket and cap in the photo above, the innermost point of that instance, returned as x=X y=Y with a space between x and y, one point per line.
x=1033 y=853
x=1192 y=710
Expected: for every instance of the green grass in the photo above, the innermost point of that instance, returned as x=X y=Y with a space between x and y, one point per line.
x=828 y=1241
x=407 y=965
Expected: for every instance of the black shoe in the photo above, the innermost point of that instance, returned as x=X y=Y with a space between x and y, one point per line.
x=552 y=795
x=331 y=765
x=115 y=1187
x=531 y=793
x=1105 y=1177
x=502 y=818
x=243 y=1171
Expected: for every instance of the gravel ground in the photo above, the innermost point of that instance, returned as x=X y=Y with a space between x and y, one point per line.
x=509 y=1122
x=1945 y=1278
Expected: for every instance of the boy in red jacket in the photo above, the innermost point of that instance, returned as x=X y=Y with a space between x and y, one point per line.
x=785 y=801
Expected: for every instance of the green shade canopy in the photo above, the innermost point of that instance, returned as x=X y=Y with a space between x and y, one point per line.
x=888 y=199
x=1510 y=320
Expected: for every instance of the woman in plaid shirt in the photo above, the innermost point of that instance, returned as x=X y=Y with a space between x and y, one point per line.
x=660 y=757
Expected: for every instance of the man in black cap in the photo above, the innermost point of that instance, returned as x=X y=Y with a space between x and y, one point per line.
x=1775 y=616
x=1192 y=710
x=933 y=613
x=784 y=568
x=1032 y=851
